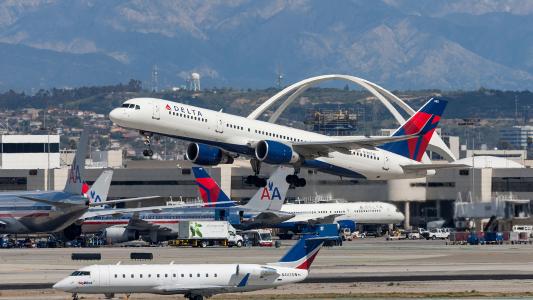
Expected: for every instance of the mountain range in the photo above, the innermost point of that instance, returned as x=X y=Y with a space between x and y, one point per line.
x=399 y=44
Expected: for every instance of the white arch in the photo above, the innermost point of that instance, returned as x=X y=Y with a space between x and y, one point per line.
x=384 y=96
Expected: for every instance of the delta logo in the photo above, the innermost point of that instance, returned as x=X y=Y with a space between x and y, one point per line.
x=270 y=192
x=168 y=107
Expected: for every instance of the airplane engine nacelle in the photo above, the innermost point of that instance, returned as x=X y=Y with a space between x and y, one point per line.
x=205 y=155
x=120 y=235
x=275 y=153
x=255 y=271
x=347 y=224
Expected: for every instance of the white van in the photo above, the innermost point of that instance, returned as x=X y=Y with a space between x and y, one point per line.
x=523 y=228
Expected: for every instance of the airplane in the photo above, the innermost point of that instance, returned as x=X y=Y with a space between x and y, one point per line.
x=47 y=211
x=162 y=222
x=344 y=214
x=194 y=281
x=217 y=138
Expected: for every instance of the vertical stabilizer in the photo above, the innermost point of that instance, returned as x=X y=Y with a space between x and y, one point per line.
x=302 y=254
x=423 y=123
x=75 y=177
x=272 y=196
x=100 y=188
x=210 y=191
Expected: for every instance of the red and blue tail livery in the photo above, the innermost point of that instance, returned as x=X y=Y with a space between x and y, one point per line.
x=212 y=194
x=422 y=124
x=302 y=254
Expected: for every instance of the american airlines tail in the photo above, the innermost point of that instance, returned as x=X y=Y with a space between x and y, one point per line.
x=270 y=197
x=423 y=123
x=76 y=173
x=100 y=188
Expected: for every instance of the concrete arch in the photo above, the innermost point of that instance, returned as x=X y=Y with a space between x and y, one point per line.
x=384 y=96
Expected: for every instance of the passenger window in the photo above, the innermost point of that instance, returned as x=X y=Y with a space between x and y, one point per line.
x=123 y=275
x=198 y=275
x=166 y=275
x=190 y=275
x=206 y=275
x=157 y=275
x=182 y=275
x=141 y=275
x=116 y=276
x=216 y=275
x=131 y=275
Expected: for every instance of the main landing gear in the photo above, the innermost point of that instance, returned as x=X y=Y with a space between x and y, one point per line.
x=296 y=181
x=148 y=143
x=75 y=296
x=194 y=297
x=254 y=179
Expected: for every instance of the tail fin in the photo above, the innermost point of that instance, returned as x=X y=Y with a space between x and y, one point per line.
x=302 y=254
x=272 y=196
x=210 y=191
x=76 y=173
x=100 y=188
x=423 y=123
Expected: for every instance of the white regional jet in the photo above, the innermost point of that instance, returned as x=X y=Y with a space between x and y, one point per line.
x=218 y=137
x=195 y=281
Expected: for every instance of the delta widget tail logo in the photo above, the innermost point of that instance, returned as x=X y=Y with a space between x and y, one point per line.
x=424 y=122
x=209 y=190
x=270 y=192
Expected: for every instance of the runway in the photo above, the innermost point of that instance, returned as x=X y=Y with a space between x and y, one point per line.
x=386 y=268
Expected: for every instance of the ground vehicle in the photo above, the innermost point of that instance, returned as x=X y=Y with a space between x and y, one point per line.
x=436 y=233
x=414 y=234
x=346 y=234
x=207 y=233
x=523 y=228
x=398 y=234
x=258 y=237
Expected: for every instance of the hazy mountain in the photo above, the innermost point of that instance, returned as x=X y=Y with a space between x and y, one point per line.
x=243 y=43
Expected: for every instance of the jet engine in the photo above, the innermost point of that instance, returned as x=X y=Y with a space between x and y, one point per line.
x=347 y=224
x=255 y=271
x=205 y=155
x=118 y=234
x=275 y=153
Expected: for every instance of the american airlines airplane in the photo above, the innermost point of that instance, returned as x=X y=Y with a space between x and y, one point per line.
x=194 y=281
x=162 y=222
x=217 y=138
x=344 y=214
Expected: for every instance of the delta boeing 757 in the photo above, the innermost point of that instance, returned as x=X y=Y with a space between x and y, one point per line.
x=217 y=138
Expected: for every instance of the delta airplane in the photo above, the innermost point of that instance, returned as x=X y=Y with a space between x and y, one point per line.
x=162 y=222
x=344 y=214
x=194 y=281
x=217 y=138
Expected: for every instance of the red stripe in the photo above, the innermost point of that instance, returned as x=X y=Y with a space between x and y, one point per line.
x=307 y=263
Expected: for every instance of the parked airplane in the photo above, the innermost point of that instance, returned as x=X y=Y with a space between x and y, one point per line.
x=194 y=281
x=345 y=214
x=47 y=211
x=218 y=137
x=161 y=222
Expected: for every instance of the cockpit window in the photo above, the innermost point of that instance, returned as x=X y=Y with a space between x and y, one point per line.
x=137 y=107
x=126 y=105
x=132 y=105
x=80 y=273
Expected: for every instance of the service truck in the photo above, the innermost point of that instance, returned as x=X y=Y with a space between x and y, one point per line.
x=207 y=233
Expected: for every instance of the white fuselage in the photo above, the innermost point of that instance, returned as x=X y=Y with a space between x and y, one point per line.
x=178 y=279
x=240 y=135
x=359 y=212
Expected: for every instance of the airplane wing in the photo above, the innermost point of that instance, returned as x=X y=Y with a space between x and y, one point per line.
x=123 y=200
x=314 y=218
x=422 y=167
x=139 y=224
x=344 y=145
x=272 y=217
x=50 y=202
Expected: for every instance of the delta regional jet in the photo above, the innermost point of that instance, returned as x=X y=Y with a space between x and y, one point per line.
x=194 y=281
x=217 y=138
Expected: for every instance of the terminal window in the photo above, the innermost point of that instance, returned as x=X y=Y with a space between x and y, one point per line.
x=29 y=147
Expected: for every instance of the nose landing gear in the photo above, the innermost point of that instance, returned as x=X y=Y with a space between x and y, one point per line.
x=148 y=143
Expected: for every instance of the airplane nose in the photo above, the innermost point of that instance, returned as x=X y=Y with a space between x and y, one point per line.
x=114 y=115
x=61 y=285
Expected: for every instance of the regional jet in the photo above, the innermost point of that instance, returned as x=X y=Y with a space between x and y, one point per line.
x=217 y=138
x=194 y=281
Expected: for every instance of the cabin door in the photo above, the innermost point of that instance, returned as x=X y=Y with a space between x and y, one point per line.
x=156 y=113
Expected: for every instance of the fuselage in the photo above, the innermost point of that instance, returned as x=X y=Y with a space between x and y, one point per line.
x=178 y=279
x=22 y=216
x=240 y=135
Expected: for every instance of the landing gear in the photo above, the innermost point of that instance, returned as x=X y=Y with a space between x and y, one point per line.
x=296 y=181
x=254 y=179
x=148 y=143
x=194 y=297
x=75 y=296
x=109 y=296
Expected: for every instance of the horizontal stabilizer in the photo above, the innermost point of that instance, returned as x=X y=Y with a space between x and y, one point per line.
x=51 y=202
x=423 y=167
